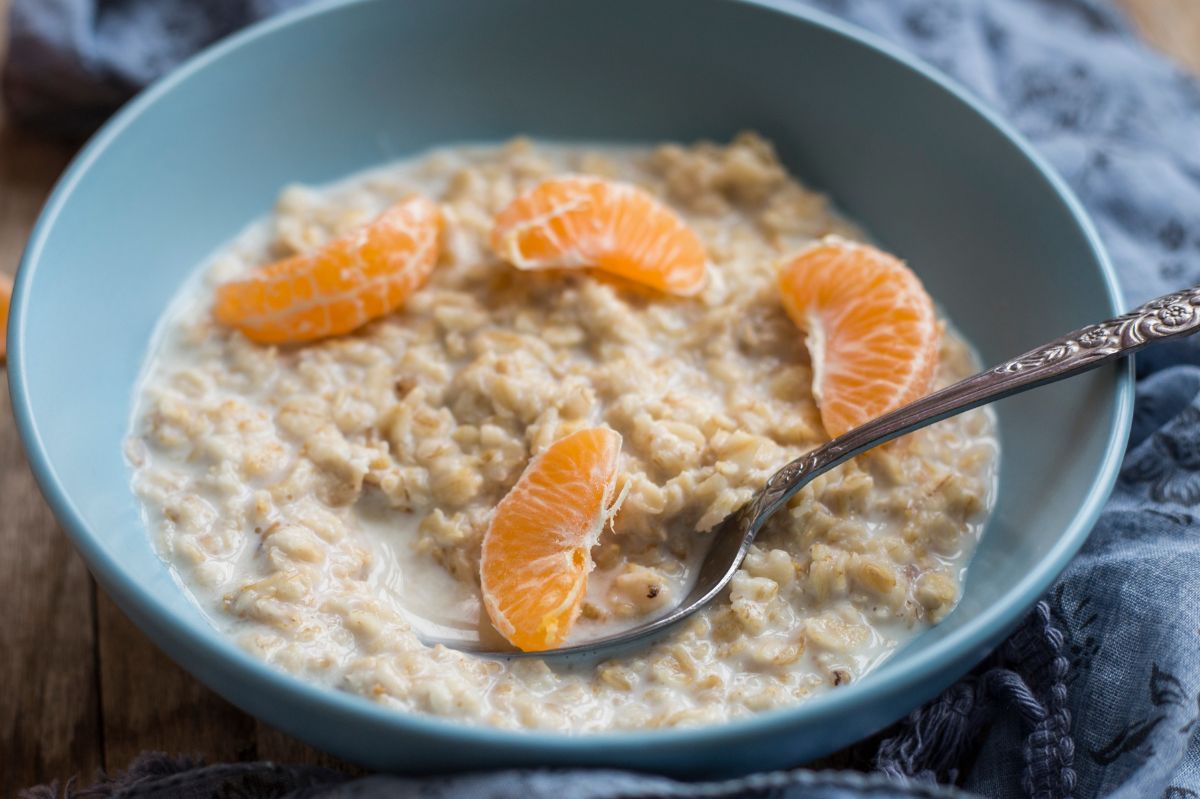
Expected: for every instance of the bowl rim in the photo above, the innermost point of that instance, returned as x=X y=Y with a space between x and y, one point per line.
x=917 y=668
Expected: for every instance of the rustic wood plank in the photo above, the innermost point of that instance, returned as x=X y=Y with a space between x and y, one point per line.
x=1171 y=25
x=282 y=748
x=151 y=704
x=49 y=705
x=91 y=690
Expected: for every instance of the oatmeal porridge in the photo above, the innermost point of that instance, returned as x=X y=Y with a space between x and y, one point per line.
x=325 y=503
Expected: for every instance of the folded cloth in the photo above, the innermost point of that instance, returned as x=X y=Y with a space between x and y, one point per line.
x=71 y=63
x=1097 y=692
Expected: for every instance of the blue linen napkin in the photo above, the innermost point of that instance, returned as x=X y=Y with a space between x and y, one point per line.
x=1097 y=693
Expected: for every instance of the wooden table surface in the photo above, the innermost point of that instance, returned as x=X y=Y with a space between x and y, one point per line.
x=80 y=687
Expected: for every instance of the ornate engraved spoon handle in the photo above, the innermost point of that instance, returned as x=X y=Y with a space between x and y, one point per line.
x=1167 y=317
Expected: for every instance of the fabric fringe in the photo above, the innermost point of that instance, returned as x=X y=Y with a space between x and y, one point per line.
x=1027 y=676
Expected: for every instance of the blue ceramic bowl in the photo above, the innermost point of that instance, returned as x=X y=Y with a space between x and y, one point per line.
x=332 y=89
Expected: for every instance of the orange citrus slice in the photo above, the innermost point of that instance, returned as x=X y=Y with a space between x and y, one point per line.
x=577 y=222
x=872 y=332
x=343 y=285
x=537 y=550
x=5 y=299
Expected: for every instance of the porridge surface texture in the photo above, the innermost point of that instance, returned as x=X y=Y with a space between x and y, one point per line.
x=324 y=504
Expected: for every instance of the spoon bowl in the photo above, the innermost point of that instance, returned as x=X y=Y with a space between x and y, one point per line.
x=331 y=89
x=1167 y=317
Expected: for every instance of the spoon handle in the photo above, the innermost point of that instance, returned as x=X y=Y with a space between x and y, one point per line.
x=1167 y=317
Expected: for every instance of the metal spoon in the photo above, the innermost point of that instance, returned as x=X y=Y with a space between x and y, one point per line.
x=1167 y=317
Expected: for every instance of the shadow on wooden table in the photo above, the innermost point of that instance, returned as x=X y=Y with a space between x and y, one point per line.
x=80 y=687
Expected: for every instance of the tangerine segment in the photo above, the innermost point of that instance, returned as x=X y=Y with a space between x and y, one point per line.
x=5 y=299
x=578 y=221
x=537 y=549
x=345 y=284
x=872 y=332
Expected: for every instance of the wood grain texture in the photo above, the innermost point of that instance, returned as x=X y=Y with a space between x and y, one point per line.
x=80 y=687
x=49 y=703
x=49 y=700
x=282 y=748
x=149 y=703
